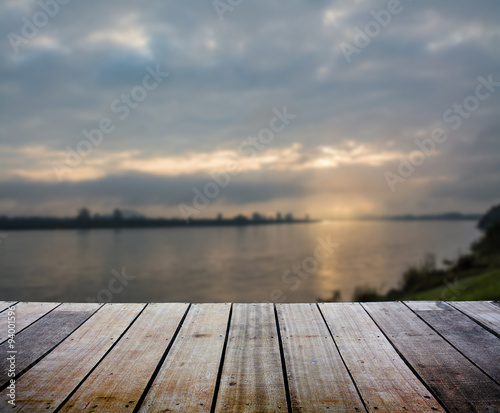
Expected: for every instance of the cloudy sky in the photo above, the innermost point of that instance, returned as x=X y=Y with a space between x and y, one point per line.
x=355 y=99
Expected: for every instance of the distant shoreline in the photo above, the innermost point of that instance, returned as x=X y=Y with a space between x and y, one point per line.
x=430 y=217
x=43 y=223
x=19 y=224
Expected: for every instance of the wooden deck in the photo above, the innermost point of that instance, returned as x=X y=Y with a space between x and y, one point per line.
x=327 y=357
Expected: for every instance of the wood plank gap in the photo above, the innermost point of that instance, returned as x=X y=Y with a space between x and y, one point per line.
x=408 y=363
x=342 y=358
x=476 y=320
x=4 y=305
x=252 y=376
x=283 y=362
x=451 y=343
x=460 y=384
x=95 y=366
x=25 y=369
x=221 y=364
x=160 y=363
x=32 y=322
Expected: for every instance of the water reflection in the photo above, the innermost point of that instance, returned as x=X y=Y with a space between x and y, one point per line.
x=218 y=264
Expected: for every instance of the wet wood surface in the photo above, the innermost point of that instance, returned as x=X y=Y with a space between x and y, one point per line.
x=329 y=357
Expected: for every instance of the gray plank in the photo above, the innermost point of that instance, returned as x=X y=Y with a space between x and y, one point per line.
x=25 y=314
x=486 y=313
x=252 y=377
x=384 y=380
x=457 y=382
x=45 y=386
x=39 y=338
x=317 y=377
x=476 y=343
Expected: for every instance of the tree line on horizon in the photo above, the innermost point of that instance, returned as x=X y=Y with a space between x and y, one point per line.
x=118 y=219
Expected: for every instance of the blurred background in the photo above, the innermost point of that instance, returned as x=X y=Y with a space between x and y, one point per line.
x=249 y=151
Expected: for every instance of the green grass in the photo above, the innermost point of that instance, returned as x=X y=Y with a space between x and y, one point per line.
x=485 y=286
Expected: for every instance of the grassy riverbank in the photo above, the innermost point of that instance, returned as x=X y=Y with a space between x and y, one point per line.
x=474 y=276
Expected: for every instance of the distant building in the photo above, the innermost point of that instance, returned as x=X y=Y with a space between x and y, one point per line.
x=83 y=215
x=278 y=216
x=289 y=217
x=117 y=215
x=240 y=219
x=257 y=217
x=219 y=216
x=307 y=217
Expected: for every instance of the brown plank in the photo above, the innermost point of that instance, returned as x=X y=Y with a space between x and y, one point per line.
x=252 y=376
x=457 y=382
x=109 y=387
x=187 y=379
x=317 y=377
x=39 y=338
x=6 y=304
x=25 y=314
x=45 y=386
x=483 y=312
x=384 y=380
x=476 y=343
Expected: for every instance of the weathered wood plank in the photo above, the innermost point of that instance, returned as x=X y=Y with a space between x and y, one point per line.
x=488 y=314
x=109 y=387
x=6 y=304
x=317 y=377
x=45 y=386
x=384 y=380
x=252 y=376
x=187 y=379
x=476 y=343
x=39 y=338
x=25 y=314
x=457 y=382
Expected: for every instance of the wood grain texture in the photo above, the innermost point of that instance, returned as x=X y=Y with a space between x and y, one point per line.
x=457 y=382
x=26 y=314
x=317 y=377
x=477 y=344
x=391 y=357
x=6 y=304
x=384 y=380
x=119 y=380
x=252 y=376
x=45 y=386
x=195 y=358
x=488 y=314
x=39 y=338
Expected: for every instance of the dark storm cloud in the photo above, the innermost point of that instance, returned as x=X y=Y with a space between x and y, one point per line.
x=137 y=190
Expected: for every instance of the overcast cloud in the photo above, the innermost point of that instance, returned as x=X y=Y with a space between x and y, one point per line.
x=354 y=121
